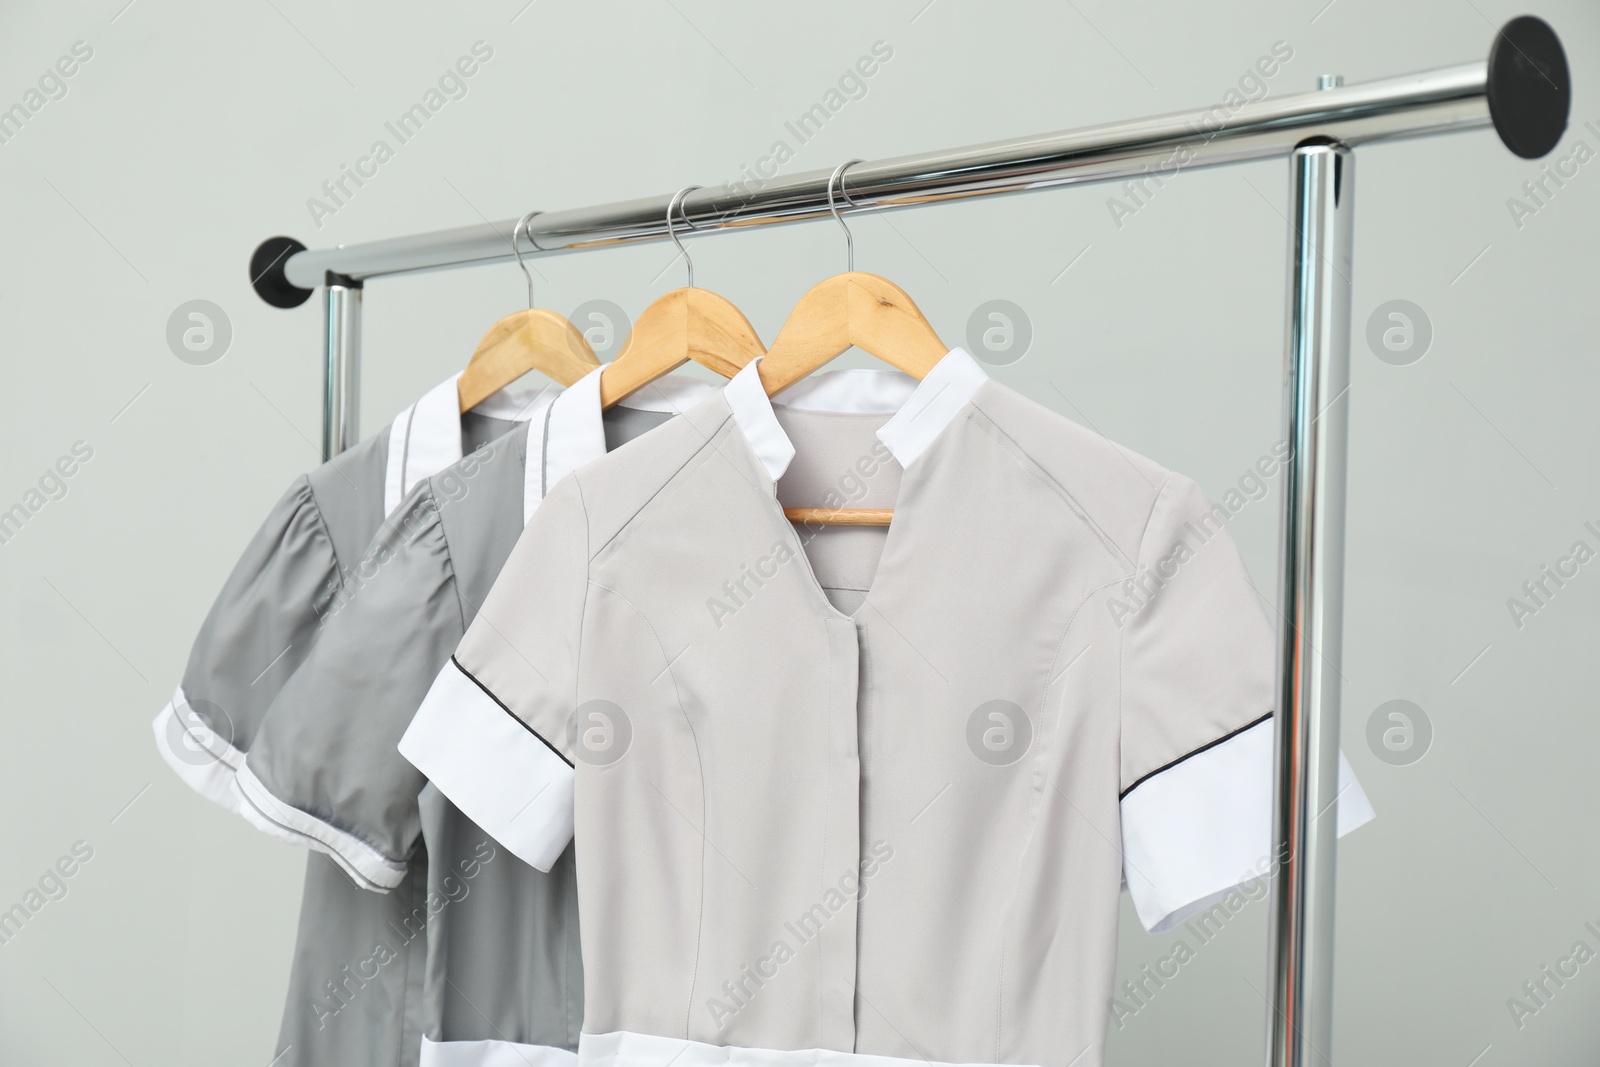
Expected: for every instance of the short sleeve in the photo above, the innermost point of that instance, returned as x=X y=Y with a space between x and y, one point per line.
x=260 y=628
x=492 y=733
x=325 y=764
x=1197 y=731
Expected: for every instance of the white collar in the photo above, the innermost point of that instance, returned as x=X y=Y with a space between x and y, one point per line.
x=571 y=432
x=920 y=409
x=425 y=438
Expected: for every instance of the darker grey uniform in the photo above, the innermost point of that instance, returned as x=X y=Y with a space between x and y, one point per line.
x=263 y=624
x=504 y=975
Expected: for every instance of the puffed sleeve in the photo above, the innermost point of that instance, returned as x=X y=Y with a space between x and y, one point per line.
x=260 y=628
x=325 y=765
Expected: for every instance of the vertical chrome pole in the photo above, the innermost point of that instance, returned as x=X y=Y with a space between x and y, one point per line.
x=341 y=383
x=1311 y=598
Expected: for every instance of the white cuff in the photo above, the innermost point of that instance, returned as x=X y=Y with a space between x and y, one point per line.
x=502 y=775
x=366 y=866
x=493 y=1054
x=1202 y=827
x=204 y=759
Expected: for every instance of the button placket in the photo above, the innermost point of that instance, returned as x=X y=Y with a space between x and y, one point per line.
x=839 y=881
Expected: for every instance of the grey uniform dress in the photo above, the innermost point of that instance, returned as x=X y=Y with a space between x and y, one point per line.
x=292 y=577
x=867 y=798
x=504 y=977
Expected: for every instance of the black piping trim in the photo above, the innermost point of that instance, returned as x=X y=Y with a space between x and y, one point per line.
x=1165 y=766
x=509 y=712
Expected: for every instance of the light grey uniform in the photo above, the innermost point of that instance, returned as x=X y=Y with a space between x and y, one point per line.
x=264 y=622
x=872 y=796
x=504 y=978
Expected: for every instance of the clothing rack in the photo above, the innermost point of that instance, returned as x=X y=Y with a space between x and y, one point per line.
x=1522 y=90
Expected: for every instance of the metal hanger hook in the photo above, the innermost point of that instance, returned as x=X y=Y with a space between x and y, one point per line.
x=672 y=232
x=849 y=238
x=516 y=249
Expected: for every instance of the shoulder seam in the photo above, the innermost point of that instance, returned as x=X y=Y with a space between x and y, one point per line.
x=1149 y=518
x=1122 y=643
x=322 y=525
x=989 y=428
x=698 y=454
x=449 y=553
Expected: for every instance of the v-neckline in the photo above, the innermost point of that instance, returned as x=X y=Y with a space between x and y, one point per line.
x=939 y=398
x=904 y=510
x=891 y=536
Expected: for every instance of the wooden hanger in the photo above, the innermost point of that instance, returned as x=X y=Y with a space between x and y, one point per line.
x=535 y=339
x=684 y=324
x=854 y=309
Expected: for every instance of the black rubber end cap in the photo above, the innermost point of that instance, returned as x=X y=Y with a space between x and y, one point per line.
x=1529 y=87
x=266 y=273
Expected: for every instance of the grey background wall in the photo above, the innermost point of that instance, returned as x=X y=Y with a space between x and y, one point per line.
x=192 y=131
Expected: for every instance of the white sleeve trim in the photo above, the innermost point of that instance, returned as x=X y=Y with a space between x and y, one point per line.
x=366 y=866
x=1202 y=828
x=208 y=763
x=197 y=754
x=501 y=774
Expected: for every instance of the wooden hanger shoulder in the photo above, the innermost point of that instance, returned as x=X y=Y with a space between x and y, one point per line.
x=859 y=310
x=720 y=337
x=855 y=309
x=536 y=339
x=679 y=326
